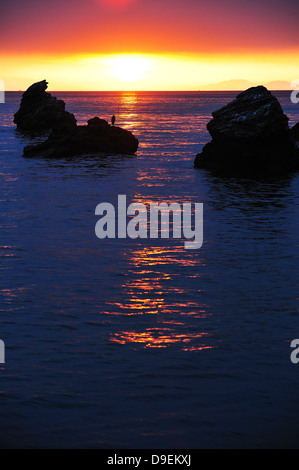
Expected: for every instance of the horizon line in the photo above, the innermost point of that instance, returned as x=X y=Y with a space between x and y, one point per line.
x=148 y=91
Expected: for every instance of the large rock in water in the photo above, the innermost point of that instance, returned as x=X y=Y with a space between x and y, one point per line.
x=250 y=136
x=295 y=132
x=40 y=111
x=97 y=137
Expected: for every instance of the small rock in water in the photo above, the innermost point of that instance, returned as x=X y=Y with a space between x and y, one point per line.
x=250 y=136
x=97 y=137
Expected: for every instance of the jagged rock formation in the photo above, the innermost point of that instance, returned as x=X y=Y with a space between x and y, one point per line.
x=250 y=135
x=40 y=111
x=97 y=137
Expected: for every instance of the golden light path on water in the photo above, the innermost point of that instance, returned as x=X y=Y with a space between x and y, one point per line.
x=152 y=286
x=159 y=338
x=150 y=289
x=150 y=292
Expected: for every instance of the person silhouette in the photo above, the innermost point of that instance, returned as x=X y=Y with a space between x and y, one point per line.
x=113 y=120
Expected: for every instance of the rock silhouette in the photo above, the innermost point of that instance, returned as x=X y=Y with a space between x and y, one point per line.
x=97 y=137
x=295 y=132
x=250 y=135
x=39 y=111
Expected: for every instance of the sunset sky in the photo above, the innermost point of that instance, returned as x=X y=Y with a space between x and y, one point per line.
x=147 y=44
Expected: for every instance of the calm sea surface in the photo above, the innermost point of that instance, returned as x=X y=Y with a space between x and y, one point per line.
x=141 y=343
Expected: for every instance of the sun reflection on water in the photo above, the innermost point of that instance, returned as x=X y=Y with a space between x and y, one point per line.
x=127 y=114
x=128 y=99
x=148 y=292
x=160 y=338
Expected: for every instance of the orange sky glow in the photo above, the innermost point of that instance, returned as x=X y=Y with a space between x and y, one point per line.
x=132 y=45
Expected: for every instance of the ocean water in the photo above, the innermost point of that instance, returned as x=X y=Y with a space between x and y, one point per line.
x=141 y=343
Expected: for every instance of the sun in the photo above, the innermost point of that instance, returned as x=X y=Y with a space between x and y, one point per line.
x=129 y=67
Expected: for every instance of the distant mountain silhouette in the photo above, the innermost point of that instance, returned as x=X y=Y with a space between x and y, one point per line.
x=228 y=85
x=241 y=85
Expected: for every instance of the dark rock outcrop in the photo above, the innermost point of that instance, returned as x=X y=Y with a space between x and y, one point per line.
x=295 y=132
x=40 y=111
x=250 y=136
x=72 y=140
